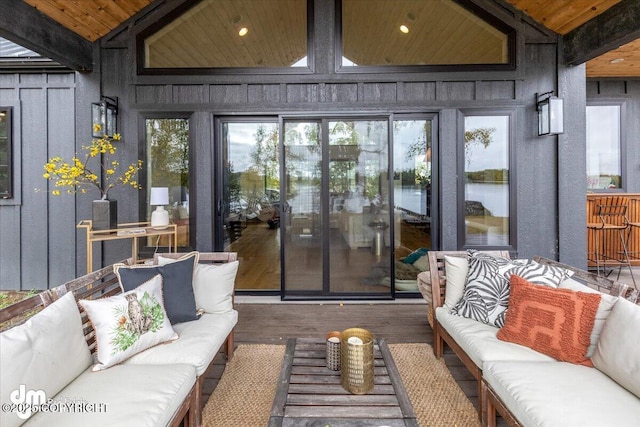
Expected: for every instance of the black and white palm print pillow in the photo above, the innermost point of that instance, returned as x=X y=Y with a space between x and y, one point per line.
x=486 y=293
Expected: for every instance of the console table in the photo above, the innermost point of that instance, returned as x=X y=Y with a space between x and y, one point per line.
x=132 y=230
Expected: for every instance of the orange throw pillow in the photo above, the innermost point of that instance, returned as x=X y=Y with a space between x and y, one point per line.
x=555 y=322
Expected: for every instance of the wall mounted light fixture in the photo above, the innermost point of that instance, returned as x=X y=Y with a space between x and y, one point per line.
x=550 y=114
x=104 y=114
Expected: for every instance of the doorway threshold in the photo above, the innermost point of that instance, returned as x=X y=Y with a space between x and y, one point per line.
x=274 y=299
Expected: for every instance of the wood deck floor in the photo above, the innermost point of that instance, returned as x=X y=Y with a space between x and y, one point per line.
x=395 y=322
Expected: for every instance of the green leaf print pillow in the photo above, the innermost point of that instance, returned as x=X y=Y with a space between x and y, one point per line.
x=129 y=323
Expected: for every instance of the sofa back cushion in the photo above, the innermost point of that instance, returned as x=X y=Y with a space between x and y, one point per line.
x=456 y=269
x=618 y=351
x=46 y=353
x=555 y=322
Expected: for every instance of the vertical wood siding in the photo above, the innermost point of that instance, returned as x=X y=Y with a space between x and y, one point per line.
x=37 y=230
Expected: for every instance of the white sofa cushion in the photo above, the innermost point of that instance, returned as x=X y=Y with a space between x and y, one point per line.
x=200 y=340
x=128 y=323
x=604 y=308
x=456 y=269
x=479 y=340
x=135 y=396
x=45 y=353
x=618 y=350
x=561 y=394
x=213 y=285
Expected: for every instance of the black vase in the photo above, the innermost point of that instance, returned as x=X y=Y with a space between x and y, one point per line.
x=105 y=214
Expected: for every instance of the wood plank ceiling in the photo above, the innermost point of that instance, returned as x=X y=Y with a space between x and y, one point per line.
x=93 y=19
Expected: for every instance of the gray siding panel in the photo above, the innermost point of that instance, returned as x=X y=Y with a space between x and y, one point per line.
x=228 y=94
x=421 y=91
x=342 y=92
x=10 y=244
x=456 y=91
x=260 y=94
x=188 y=94
x=153 y=94
x=34 y=219
x=380 y=92
x=495 y=90
x=297 y=93
x=62 y=220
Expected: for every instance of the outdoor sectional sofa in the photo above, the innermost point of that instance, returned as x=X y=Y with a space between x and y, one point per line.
x=529 y=388
x=54 y=354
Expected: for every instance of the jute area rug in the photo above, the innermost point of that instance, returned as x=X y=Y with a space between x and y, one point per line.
x=247 y=388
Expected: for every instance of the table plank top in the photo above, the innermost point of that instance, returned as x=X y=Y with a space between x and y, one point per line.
x=310 y=394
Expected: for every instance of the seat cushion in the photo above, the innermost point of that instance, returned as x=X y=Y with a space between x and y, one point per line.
x=561 y=394
x=199 y=342
x=45 y=353
x=480 y=342
x=124 y=395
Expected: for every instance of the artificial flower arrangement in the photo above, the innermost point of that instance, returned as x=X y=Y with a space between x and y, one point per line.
x=79 y=174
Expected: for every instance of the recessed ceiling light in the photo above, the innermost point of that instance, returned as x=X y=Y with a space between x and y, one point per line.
x=616 y=61
x=243 y=31
x=404 y=29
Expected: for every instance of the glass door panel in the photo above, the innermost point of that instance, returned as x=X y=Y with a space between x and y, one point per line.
x=360 y=220
x=412 y=195
x=251 y=202
x=303 y=254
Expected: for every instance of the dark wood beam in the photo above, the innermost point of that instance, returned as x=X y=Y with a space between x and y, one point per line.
x=26 y=26
x=616 y=26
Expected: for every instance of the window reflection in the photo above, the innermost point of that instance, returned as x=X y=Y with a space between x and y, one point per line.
x=168 y=166
x=603 y=147
x=486 y=174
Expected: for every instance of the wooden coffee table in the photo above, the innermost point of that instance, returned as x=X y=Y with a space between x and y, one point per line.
x=309 y=394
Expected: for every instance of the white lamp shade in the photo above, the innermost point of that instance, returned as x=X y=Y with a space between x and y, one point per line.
x=159 y=196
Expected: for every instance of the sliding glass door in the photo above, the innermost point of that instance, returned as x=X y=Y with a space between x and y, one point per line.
x=314 y=208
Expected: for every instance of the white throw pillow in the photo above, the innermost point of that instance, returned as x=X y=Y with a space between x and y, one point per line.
x=618 y=352
x=456 y=269
x=128 y=323
x=213 y=286
x=45 y=353
x=604 y=309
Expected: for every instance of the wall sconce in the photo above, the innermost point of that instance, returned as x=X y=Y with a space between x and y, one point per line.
x=550 y=114
x=104 y=114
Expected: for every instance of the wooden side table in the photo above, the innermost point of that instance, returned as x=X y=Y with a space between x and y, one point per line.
x=132 y=230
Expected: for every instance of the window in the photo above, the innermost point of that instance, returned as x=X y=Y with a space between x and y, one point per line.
x=230 y=34
x=604 y=170
x=167 y=144
x=418 y=32
x=487 y=199
x=6 y=183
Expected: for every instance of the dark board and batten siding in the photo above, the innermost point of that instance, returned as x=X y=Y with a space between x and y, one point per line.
x=37 y=230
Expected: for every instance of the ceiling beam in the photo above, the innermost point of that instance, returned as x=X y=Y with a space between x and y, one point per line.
x=28 y=27
x=613 y=28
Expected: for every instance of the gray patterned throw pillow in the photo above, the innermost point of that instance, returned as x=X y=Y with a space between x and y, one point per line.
x=486 y=293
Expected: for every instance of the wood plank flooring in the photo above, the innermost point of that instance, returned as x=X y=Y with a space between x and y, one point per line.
x=395 y=322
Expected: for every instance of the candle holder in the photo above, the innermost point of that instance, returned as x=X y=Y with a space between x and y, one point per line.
x=357 y=360
x=333 y=350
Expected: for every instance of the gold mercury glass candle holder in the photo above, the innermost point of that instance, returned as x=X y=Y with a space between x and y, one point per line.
x=356 y=360
x=333 y=350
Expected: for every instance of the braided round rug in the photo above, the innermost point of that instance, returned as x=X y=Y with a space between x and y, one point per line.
x=247 y=388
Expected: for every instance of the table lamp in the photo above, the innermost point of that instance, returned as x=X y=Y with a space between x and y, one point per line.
x=159 y=197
